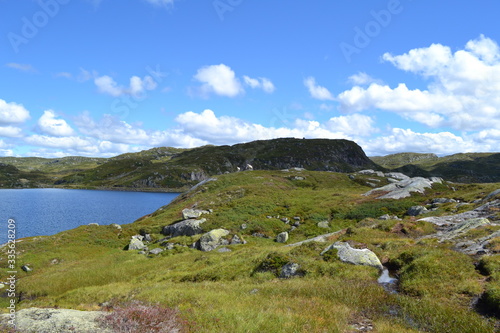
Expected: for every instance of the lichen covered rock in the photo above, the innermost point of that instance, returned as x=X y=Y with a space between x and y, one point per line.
x=355 y=256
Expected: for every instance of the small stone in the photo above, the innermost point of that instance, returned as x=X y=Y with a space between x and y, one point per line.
x=236 y=240
x=136 y=244
x=26 y=268
x=223 y=250
x=282 y=237
x=156 y=251
x=323 y=224
x=416 y=210
x=296 y=218
x=289 y=270
x=243 y=226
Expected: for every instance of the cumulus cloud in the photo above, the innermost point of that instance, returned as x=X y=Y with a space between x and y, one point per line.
x=70 y=142
x=463 y=91
x=137 y=86
x=49 y=124
x=110 y=128
x=261 y=82
x=316 y=91
x=12 y=113
x=220 y=80
x=10 y=131
x=406 y=140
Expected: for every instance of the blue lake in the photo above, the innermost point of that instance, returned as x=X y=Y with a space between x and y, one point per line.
x=49 y=211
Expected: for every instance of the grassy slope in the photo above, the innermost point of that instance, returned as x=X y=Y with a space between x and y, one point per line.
x=223 y=292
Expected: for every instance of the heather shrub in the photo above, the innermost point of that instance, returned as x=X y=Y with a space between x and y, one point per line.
x=139 y=317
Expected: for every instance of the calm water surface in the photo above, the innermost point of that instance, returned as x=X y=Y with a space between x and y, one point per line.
x=49 y=211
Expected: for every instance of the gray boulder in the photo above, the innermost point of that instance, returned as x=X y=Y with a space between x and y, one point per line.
x=439 y=201
x=184 y=228
x=236 y=240
x=416 y=210
x=212 y=239
x=282 y=237
x=371 y=172
x=136 y=243
x=290 y=270
x=403 y=188
x=355 y=256
x=156 y=251
x=396 y=175
x=189 y=213
x=36 y=320
x=464 y=226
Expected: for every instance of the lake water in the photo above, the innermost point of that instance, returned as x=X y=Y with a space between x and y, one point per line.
x=49 y=211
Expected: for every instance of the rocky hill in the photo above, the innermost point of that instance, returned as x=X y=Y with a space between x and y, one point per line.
x=178 y=169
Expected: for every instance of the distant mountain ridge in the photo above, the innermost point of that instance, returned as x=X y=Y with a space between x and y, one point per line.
x=462 y=167
x=178 y=169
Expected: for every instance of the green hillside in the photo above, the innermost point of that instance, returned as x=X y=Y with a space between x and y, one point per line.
x=172 y=169
x=241 y=289
x=463 y=167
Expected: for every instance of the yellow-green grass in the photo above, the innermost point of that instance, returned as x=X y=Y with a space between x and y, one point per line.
x=228 y=292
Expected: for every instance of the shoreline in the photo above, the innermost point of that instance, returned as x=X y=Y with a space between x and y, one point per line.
x=104 y=188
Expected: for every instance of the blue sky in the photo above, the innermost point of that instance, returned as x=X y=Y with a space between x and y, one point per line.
x=105 y=77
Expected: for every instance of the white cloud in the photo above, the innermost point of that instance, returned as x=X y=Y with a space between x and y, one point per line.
x=111 y=128
x=406 y=140
x=12 y=113
x=69 y=142
x=228 y=130
x=22 y=67
x=353 y=125
x=219 y=79
x=10 y=131
x=316 y=91
x=49 y=124
x=463 y=92
x=107 y=85
x=262 y=83
x=161 y=2
x=362 y=78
